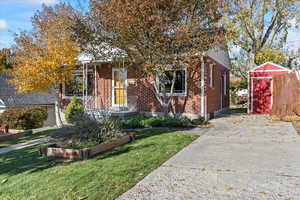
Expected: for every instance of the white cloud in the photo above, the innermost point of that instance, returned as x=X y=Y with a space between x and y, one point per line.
x=3 y=24
x=47 y=2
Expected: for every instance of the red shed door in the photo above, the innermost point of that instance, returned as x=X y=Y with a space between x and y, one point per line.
x=262 y=95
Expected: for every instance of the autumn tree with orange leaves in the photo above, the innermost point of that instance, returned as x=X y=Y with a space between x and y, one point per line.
x=46 y=56
x=159 y=35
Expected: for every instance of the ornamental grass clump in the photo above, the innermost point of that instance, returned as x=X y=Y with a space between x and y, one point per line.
x=87 y=133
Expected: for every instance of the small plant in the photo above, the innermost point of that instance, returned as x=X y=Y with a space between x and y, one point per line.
x=27 y=117
x=73 y=110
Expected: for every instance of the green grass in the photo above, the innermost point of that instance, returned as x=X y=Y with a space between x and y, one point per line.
x=106 y=176
x=35 y=135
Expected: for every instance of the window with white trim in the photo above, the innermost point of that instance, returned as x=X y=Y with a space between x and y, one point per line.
x=75 y=86
x=179 y=85
x=211 y=76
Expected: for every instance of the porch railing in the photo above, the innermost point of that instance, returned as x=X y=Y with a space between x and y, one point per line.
x=101 y=107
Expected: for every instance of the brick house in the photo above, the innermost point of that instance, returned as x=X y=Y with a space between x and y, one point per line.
x=201 y=90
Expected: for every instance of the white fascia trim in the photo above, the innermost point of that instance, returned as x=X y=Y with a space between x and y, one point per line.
x=271 y=70
x=284 y=68
x=262 y=77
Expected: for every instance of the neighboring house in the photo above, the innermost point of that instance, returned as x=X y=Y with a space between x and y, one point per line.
x=9 y=99
x=201 y=90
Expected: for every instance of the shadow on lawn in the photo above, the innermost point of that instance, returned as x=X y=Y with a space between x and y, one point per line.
x=28 y=159
x=140 y=134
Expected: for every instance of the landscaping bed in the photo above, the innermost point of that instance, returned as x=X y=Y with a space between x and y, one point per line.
x=142 y=121
x=26 y=175
x=85 y=153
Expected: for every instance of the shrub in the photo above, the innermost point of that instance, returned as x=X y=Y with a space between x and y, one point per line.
x=153 y=122
x=141 y=121
x=133 y=122
x=73 y=110
x=27 y=117
x=198 y=121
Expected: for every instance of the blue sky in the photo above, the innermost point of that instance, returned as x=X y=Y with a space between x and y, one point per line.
x=15 y=15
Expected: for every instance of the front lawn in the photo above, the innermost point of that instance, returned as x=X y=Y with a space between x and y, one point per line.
x=26 y=175
x=36 y=135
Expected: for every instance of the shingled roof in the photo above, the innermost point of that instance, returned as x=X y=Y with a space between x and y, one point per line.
x=10 y=98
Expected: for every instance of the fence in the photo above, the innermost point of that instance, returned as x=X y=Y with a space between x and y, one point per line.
x=286 y=96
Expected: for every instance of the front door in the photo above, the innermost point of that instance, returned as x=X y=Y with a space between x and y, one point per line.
x=262 y=95
x=119 y=89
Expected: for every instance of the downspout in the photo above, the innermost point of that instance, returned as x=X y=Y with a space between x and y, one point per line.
x=202 y=86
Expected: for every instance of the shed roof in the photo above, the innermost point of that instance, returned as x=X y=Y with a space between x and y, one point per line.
x=269 y=66
x=10 y=98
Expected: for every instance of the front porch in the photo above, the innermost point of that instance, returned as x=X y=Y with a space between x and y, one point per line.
x=103 y=90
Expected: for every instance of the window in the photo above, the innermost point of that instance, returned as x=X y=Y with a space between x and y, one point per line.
x=75 y=86
x=211 y=76
x=179 y=85
x=225 y=83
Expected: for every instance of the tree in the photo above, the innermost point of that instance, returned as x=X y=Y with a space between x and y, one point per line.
x=45 y=57
x=277 y=56
x=158 y=36
x=5 y=55
x=256 y=25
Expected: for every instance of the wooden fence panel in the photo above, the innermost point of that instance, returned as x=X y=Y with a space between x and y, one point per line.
x=286 y=96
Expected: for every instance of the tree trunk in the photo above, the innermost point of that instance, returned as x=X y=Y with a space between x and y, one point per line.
x=252 y=60
x=163 y=98
x=57 y=108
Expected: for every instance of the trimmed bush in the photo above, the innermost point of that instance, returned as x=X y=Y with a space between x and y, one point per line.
x=141 y=121
x=23 y=118
x=73 y=110
x=153 y=122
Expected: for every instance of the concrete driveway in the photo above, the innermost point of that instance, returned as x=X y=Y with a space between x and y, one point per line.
x=243 y=157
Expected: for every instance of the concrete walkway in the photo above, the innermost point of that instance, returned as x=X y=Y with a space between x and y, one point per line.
x=244 y=157
x=24 y=145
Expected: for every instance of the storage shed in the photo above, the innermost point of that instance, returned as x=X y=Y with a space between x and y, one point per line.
x=260 y=87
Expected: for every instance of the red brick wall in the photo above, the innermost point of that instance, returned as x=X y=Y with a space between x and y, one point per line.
x=216 y=98
x=147 y=102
